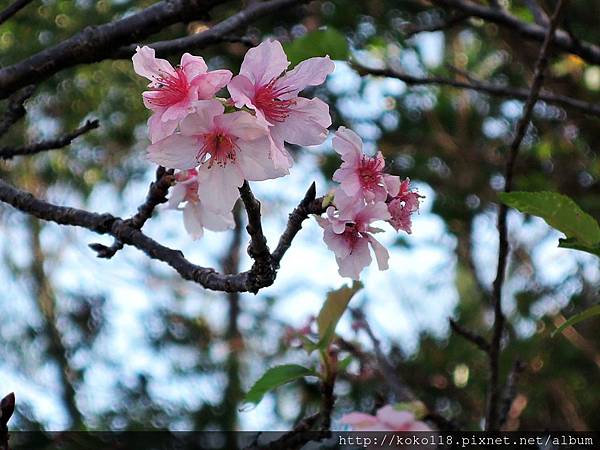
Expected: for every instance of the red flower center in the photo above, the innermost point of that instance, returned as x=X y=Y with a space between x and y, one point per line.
x=370 y=171
x=170 y=89
x=217 y=147
x=266 y=98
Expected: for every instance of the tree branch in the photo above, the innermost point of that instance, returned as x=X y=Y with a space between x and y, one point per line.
x=309 y=205
x=53 y=144
x=157 y=194
x=476 y=339
x=492 y=416
x=220 y=32
x=7 y=408
x=587 y=51
x=96 y=43
x=16 y=108
x=12 y=9
x=481 y=86
x=124 y=231
x=258 y=249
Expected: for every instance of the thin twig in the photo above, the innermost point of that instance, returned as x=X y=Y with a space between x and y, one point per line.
x=157 y=194
x=485 y=87
x=492 y=415
x=12 y=9
x=586 y=50
x=470 y=336
x=52 y=144
x=387 y=370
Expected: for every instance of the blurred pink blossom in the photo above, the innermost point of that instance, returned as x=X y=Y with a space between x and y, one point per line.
x=402 y=206
x=386 y=419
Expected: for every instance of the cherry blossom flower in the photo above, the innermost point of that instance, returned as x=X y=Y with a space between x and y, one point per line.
x=402 y=206
x=386 y=419
x=195 y=216
x=348 y=233
x=263 y=86
x=229 y=148
x=361 y=176
x=173 y=90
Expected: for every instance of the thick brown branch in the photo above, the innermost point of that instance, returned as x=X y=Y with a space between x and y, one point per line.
x=52 y=144
x=12 y=9
x=485 y=87
x=258 y=249
x=220 y=32
x=562 y=40
x=96 y=43
x=16 y=108
x=123 y=231
x=157 y=194
x=492 y=416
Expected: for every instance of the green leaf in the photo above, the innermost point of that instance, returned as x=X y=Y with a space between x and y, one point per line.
x=332 y=310
x=590 y=312
x=275 y=377
x=559 y=211
x=574 y=244
x=344 y=363
x=318 y=43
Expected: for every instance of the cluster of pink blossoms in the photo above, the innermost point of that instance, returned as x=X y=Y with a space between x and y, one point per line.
x=366 y=194
x=217 y=143
x=386 y=419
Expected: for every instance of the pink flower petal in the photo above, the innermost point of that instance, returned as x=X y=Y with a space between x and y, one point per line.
x=242 y=125
x=311 y=72
x=348 y=144
x=381 y=254
x=218 y=189
x=193 y=65
x=192 y=220
x=159 y=129
x=241 y=90
x=397 y=420
x=148 y=66
x=203 y=119
x=352 y=265
x=264 y=63
x=175 y=152
x=210 y=83
x=306 y=124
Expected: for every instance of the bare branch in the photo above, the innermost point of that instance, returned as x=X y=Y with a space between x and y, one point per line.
x=157 y=194
x=53 y=144
x=125 y=232
x=96 y=43
x=258 y=249
x=476 y=339
x=492 y=415
x=587 y=51
x=12 y=9
x=411 y=29
x=309 y=205
x=220 y=32
x=389 y=373
x=485 y=87
x=510 y=390
x=16 y=108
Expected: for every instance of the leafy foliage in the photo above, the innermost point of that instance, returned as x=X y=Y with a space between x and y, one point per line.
x=275 y=377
